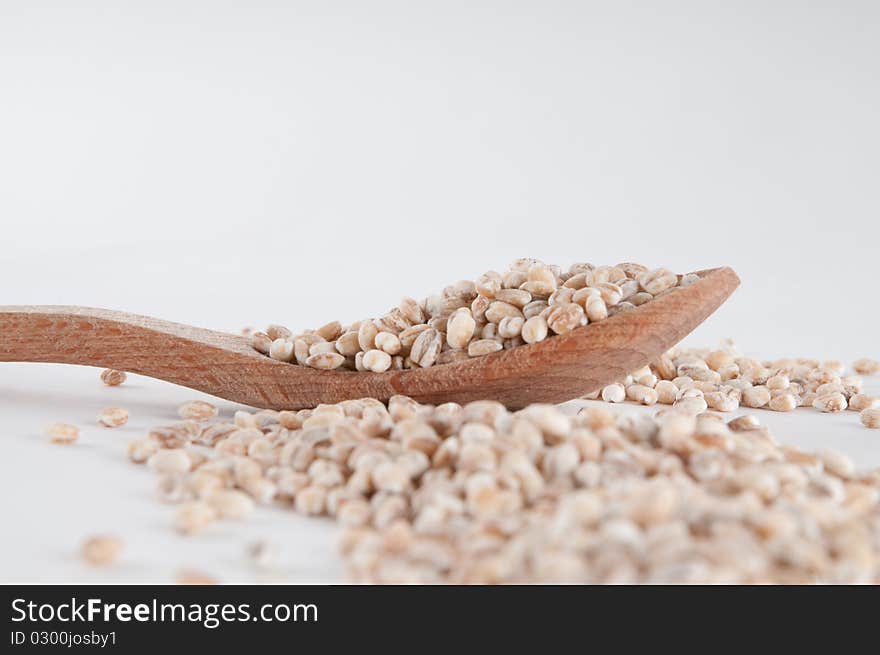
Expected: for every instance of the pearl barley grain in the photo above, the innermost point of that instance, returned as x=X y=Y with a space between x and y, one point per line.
x=784 y=402
x=112 y=377
x=101 y=550
x=311 y=500
x=460 y=328
x=642 y=394
x=426 y=347
x=62 y=433
x=614 y=393
x=830 y=402
x=866 y=366
x=565 y=318
x=282 y=350
x=170 y=461
x=483 y=347
x=756 y=397
x=194 y=577
x=860 y=402
x=194 y=516
x=325 y=360
x=666 y=392
x=535 y=329
x=510 y=327
x=231 y=503
x=113 y=417
x=197 y=410
x=388 y=343
x=870 y=418
x=140 y=450
x=376 y=360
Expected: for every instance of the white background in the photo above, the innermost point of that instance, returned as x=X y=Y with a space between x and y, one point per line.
x=229 y=164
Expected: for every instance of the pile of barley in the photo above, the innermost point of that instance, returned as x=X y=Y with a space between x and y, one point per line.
x=724 y=379
x=479 y=494
x=528 y=303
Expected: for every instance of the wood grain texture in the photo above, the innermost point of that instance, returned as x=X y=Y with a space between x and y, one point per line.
x=557 y=369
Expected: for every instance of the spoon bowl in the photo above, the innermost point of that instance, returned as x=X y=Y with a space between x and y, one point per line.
x=557 y=369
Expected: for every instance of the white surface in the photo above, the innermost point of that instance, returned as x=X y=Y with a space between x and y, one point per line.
x=56 y=495
x=222 y=164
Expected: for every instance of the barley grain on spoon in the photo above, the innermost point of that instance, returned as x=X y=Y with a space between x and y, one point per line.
x=531 y=301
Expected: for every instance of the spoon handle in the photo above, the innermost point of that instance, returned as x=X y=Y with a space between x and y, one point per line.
x=138 y=344
x=220 y=364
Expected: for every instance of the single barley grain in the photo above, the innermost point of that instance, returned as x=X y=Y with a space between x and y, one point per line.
x=376 y=360
x=566 y=317
x=859 y=402
x=460 y=328
x=62 y=433
x=595 y=309
x=101 y=550
x=666 y=392
x=510 y=327
x=744 y=423
x=830 y=402
x=870 y=418
x=140 y=450
x=197 y=410
x=113 y=417
x=779 y=381
x=642 y=394
x=426 y=347
x=230 y=503
x=170 y=461
x=282 y=350
x=112 y=378
x=278 y=332
x=614 y=393
x=261 y=342
x=657 y=281
x=726 y=399
x=194 y=516
x=866 y=366
x=758 y=396
x=784 y=402
x=691 y=404
x=535 y=329
x=483 y=347
x=325 y=361
x=194 y=577
x=500 y=309
x=388 y=343
x=311 y=500
x=348 y=345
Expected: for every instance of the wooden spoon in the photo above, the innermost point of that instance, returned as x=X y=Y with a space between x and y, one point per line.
x=225 y=365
